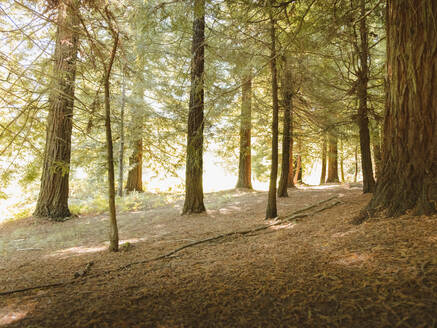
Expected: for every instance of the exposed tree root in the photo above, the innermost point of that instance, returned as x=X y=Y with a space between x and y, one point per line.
x=294 y=216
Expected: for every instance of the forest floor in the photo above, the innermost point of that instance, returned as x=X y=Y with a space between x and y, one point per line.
x=313 y=271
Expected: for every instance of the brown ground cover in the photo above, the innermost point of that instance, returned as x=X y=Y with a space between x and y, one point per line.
x=316 y=271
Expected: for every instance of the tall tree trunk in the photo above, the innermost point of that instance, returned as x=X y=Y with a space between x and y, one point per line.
x=121 y=154
x=332 y=158
x=53 y=195
x=194 y=168
x=356 y=164
x=409 y=168
x=298 y=171
x=245 y=167
x=290 y=179
x=363 y=121
x=341 y=160
x=135 y=175
x=113 y=229
x=324 y=146
x=271 y=211
x=377 y=154
x=287 y=95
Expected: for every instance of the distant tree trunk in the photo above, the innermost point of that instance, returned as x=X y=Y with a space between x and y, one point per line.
x=113 y=229
x=298 y=171
x=135 y=175
x=121 y=154
x=332 y=159
x=287 y=95
x=53 y=195
x=356 y=164
x=194 y=168
x=244 y=167
x=341 y=160
x=290 y=179
x=271 y=211
x=377 y=154
x=363 y=121
x=324 y=146
x=408 y=177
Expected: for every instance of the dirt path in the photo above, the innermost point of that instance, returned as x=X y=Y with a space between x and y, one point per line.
x=319 y=271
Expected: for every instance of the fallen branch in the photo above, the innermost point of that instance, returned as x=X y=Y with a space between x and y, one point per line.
x=296 y=215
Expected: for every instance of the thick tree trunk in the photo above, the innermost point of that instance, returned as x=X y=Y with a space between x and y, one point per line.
x=53 y=196
x=363 y=121
x=324 y=146
x=113 y=229
x=332 y=159
x=121 y=153
x=287 y=95
x=135 y=175
x=271 y=211
x=409 y=167
x=194 y=168
x=245 y=167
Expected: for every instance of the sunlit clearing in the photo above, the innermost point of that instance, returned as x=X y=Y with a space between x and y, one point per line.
x=283 y=226
x=77 y=251
x=353 y=259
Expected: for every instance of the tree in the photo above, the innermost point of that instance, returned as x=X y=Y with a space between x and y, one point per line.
x=323 y=174
x=194 y=165
x=135 y=174
x=362 y=48
x=271 y=211
x=332 y=158
x=408 y=179
x=53 y=196
x=245 y=167
x=287 y=97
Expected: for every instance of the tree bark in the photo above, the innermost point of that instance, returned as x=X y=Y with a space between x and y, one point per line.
x=121 y=154
x=135 y=175
x=324 y=146
x=194 y=168
x=290 y=179
x=287 y=95
x=53 y=195
x=298 y=171
x=113 y=229
x=341 y=160
x=377 y=154
x=271 y=211
x=244 y=167
x=363 y=121
x=409 y=168
x=356 y=164
x=332 y=159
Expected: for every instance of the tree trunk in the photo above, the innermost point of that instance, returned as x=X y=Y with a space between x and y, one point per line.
x=244 y=167
x=409 y=168
x=377 y=154
x=271 y=211
x=194 y=168
x=298 y=171
x=121 y=154
x=290 y=179
x=113 y=229
x=356 y=165
x=135 y=175
x=53 y=195
x=324 y=146
x=363 y=121
x=287 y=95
x=332 y=159
x=341 y=160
